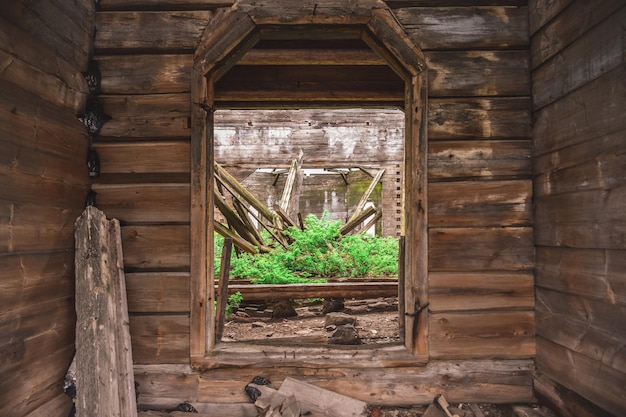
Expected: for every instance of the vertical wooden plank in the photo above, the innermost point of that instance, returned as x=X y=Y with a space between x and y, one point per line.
x=199 y=195
x=222 y=288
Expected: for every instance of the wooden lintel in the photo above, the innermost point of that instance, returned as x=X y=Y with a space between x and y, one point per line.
x=311 y=57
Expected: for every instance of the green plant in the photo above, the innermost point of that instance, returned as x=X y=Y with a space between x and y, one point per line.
x=234 y=301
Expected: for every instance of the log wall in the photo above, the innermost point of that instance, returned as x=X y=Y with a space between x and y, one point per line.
x=481 y=250
x=44 y=47
x=579 y=97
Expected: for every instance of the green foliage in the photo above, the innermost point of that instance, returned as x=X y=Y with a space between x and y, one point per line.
x=316 y=253
x=233 y=302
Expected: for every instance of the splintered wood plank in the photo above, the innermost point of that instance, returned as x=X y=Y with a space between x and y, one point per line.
x=480 y=291
x=482 y=335
x=162 y=30
x=465 y=27
x=479 y=159
x=485 y=203
x=322 y=401
x=103 y=352
x=474 y=249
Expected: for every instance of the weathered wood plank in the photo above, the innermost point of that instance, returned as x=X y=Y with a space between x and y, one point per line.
x=596 y=274
x=592 y=379
x=465 y=381
x=145 y=74
x=541 y=12
x=482 y=335
x=256 y=292
x=35 y=124
x=35 y=228
x=472 y=249
x=465 y=27
x=144 y=157
x=592 y=111
x=574 y=219
x=154 y=292
x=65 y=27
x=578 y=335
x=108 y=5
x=156 y=247
x=59 y=405
x=505 y=118
x=567 y=402
x=594 y=54
x=592 y=165
x=35 y=67
x=479 y=159
x=577 y=20
x=475 y=204
x=160 y=339
x=150 y=31
x=144 y=203
x=480 y=291
x=477 y=73
x=103 y=350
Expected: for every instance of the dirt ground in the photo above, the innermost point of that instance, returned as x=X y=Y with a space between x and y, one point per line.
x=376 y=322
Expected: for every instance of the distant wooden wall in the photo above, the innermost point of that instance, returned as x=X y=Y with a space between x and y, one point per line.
x=579 y=101
x=371 y=139
x=480 y=190
x=44 y=47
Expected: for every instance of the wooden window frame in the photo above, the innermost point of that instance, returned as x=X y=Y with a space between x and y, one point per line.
x=230 y=34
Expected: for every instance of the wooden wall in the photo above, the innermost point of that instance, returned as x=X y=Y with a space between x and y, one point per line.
x=481 y=251
x=579 y=100
x=44 y=47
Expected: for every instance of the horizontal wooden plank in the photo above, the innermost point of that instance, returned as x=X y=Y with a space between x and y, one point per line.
x=589 y=57
x=64 y=27
x=36 y=124
x=596 y=274
x=596 y=164
x=482 y=335
x=477 y=73
x=449 y=160
x=35 y=228
x=480 y=291
x=479 y=118
x=465 y=27
x=447 y=3
x=580 y=336
x=566 y=122
x=591 y=379
x=35 y=67
x=587 y=219
x=594 y=314
x=577 y=20
x=145 y=74
x=480 y=203
x=60 y=405
x=476 y=249
x=160 y=339
x=108 y=5
x=149 y=31
x=542 y=11
x=145 y=203
x=143 y=157
x=158 y=292
x=252 y=292
x=155 y=248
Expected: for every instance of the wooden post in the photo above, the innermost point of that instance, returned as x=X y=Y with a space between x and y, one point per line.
x=222 y=289
x=104 y=369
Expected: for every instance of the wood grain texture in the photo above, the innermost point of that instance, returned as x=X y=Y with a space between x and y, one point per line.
x=150 y=292
x=160 y=339
x=154 y=248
